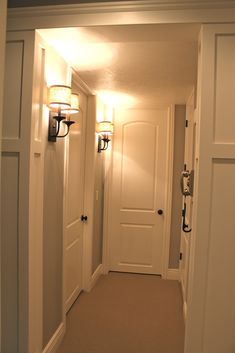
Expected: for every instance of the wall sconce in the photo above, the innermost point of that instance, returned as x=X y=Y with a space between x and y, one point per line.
x=62 y=103
x=104 y=129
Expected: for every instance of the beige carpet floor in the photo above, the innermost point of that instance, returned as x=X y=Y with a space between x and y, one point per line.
x=126 y=313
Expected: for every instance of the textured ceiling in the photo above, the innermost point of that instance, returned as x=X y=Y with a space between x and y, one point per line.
x=143 y=66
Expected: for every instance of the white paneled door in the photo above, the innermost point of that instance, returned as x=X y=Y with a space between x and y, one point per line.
x=138 y=191
x=74 y=196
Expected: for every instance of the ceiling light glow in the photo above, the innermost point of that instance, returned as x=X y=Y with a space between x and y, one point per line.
x=117 y=99
x=80 y=49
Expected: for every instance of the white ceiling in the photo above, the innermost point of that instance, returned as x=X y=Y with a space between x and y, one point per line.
x=143 y=66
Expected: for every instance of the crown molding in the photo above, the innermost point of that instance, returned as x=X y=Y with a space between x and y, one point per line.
x=117 y=6
x=81 y=84
x=121 y=12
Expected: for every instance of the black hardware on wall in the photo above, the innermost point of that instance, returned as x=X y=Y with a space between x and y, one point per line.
x=62 y=103
x=55 y=124
x=105 y=145
x=185 y=227
x=186 y=184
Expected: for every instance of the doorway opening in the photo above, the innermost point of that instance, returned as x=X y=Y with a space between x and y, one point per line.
x=140 y=76
x=139 y=73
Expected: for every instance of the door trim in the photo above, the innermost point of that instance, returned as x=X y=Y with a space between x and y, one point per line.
x=173 y=274
x=55 y=340
x=96 y=275
x=167 y=206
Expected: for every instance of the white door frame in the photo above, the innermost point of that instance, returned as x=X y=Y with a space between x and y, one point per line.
x=166 y=273
x=167 y=198
x=121 y=13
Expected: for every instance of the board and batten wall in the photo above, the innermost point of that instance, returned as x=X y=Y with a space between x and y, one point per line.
x=210 y=326
x=21 y=197
x=32 y=198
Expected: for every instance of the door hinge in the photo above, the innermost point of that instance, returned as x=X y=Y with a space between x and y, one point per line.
x=181 y=256
x=186 y=123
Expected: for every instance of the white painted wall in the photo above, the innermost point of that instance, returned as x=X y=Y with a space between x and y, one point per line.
x=57 y=71
x=97 y=244
x=99 y=181
x=93 y=207
x=33 y=193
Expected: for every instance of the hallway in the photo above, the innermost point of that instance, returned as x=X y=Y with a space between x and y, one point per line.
x=126 y=313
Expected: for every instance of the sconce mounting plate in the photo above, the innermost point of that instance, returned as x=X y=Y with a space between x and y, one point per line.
x=52 y=128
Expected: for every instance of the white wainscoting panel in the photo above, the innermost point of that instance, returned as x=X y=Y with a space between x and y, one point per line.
x=10 y=252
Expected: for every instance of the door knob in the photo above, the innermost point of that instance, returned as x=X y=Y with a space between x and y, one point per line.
x=83 y=218
x=160 y=211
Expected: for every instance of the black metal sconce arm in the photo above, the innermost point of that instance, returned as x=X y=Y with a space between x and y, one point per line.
x=105 y=145
x=54 y=126
x=68 y=123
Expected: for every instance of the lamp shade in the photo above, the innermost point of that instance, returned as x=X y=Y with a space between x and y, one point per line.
x=74 y=108
x=59 y=97
x=104 y=128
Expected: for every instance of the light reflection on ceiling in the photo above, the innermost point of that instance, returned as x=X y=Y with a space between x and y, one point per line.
x=83 y=51
x=133 y=66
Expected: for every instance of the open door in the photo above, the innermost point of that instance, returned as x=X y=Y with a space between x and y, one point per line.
x=74 y=203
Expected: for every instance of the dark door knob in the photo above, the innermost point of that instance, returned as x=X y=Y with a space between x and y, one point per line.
x=160 y=211
x=83 y=218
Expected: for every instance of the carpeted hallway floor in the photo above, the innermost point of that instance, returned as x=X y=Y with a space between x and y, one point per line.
x=126 y=313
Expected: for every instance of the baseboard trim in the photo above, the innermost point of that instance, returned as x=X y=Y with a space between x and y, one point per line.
x=173 y=273
x=96 y=275
x=56 y=339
